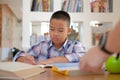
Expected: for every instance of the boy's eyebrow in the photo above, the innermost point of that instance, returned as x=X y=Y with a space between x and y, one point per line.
x=53 y=27
x=61 y=28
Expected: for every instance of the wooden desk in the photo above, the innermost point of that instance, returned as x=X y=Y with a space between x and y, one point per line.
x=50 y=75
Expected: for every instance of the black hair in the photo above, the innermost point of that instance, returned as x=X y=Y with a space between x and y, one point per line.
x=61 y=15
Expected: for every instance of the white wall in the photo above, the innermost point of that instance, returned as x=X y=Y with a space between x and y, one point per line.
x=17 y=34
x=86 y=17
x=36 y=29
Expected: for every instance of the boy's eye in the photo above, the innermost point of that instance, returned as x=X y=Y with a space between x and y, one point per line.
x=61 y=30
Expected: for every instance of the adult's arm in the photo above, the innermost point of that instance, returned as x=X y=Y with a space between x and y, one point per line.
x=113 y=41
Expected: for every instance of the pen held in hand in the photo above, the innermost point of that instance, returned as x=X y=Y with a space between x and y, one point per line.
x=45 y=65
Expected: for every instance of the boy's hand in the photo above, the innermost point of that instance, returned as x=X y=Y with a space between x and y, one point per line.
x=26 y=59
x=59 y=59
x=44 y=62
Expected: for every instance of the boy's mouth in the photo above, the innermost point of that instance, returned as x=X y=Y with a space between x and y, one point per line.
x=55 y=39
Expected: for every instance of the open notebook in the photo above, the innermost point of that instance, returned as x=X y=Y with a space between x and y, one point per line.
x=18 y=71
x=70 y=69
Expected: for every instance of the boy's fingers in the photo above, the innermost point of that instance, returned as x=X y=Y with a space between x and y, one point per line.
x=30 y=62
x=26 y=59
x=29 y=57
x=20 y=59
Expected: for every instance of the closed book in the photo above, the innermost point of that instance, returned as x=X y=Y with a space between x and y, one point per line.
x=44 y=5
x=18 y=71
x=33 y=5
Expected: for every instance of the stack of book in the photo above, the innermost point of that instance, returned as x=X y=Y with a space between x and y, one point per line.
x=42 y=5
x=101 y=5
x=73 y=5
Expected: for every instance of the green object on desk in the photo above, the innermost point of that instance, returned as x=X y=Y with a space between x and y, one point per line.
x=113 y=64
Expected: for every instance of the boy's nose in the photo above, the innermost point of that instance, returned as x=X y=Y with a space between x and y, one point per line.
x=56 y=33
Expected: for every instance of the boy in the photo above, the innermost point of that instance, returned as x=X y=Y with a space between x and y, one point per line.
x=58 y=49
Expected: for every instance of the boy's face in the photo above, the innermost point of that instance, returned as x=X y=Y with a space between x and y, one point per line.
x=59 y=30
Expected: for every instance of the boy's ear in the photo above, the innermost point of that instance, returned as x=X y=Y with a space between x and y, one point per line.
x=69 y=31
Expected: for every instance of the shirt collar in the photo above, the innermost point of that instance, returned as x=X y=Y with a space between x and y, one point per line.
x=65 y=43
